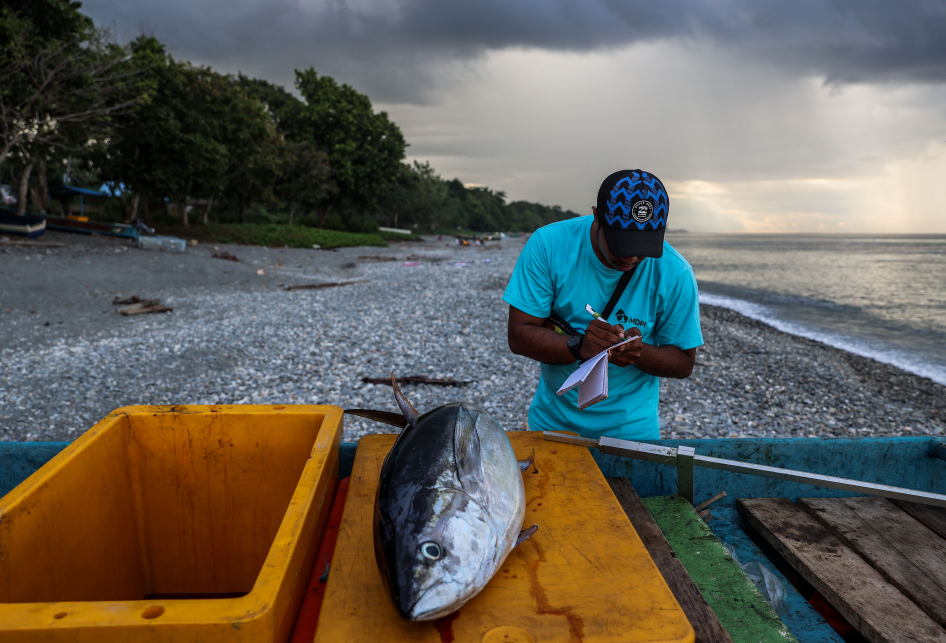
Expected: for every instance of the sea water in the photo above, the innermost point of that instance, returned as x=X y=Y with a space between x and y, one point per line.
x=882 y=297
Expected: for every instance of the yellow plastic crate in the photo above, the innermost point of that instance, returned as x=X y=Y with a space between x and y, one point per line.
x=584 y=576
x=184 y=523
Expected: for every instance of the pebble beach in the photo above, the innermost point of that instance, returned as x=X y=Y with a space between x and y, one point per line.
x=237 y=335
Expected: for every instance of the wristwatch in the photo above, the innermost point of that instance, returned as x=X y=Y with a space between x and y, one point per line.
x=574 y=345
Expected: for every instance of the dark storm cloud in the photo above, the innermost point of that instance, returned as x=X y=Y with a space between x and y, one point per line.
x=402 y=49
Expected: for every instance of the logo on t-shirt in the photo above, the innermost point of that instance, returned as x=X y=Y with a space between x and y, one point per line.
x=624 y=319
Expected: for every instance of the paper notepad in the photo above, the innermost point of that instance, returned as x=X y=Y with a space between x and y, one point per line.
x=591 y=378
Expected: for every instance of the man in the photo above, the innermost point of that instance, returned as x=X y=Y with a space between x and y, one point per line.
x=570 y=264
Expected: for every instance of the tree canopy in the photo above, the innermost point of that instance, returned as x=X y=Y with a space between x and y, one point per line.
x=167 y=133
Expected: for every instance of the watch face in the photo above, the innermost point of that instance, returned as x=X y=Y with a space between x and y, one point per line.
x=574 y=341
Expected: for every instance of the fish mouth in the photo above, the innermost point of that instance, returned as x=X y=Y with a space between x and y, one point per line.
x=430 y=612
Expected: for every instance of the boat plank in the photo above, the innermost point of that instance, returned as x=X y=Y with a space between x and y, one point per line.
x=701 y=616
x=904 y=551
x=736 y=601
x=869 y=602
x=932 y=517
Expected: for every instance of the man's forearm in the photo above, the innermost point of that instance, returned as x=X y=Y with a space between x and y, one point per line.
x=540 y=343
x=666 y=361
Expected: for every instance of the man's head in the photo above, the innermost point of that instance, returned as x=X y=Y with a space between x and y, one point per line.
x=632 y=212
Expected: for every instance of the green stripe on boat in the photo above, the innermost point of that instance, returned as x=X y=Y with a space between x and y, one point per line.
x=742 y=610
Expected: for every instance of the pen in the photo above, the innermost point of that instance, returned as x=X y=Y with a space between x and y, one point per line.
x=593 y=313
x=597 y=316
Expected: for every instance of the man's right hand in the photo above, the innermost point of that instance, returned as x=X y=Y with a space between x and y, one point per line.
x=599 y=336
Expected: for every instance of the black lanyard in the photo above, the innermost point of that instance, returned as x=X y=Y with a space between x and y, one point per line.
x=622 y=282
x=618 y=291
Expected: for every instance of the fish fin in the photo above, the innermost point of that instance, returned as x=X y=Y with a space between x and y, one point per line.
x=410 y=413
x=524 y=534
x=466 y=449
x=525 y=463
x=387 y=417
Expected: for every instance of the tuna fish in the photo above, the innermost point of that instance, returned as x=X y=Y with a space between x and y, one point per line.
x=449 y=509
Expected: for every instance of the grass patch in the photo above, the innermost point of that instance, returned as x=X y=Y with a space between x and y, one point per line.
x=276 y=236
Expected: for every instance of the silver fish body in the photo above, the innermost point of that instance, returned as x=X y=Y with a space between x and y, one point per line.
x=449 y=509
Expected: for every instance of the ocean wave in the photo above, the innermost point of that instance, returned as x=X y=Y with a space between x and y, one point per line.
x=865 y=348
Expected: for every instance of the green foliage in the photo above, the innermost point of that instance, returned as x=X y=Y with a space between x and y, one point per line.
x=197 y=134
x=524 y=216
x=287 y=236
x=420 y=199
x=285 y=110
x=304 y=178
x=164 y=133
x=61 y=82
x=52 y=19
x=364 y=148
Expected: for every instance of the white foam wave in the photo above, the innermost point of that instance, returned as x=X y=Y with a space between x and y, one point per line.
x=865 y=348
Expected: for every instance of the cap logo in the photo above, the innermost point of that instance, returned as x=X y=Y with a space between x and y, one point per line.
x=642 y=211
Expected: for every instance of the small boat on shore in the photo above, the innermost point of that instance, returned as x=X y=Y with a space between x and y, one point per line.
x=34 y=225
x=823 y=555
x=68 y=224
x=25 y=226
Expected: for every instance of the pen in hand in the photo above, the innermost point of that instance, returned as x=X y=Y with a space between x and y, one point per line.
x=600 y=318
x=594 y=314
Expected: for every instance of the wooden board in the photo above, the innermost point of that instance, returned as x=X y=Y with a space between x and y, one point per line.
x=742 y=610
x=702 y=617
x=905 y=552
x=871 y=604
x=584 y=576
x=932 y=517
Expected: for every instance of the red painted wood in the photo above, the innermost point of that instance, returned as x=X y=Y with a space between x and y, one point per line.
x=308 y=618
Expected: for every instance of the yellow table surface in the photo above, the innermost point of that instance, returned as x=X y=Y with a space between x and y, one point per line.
x=584 y=576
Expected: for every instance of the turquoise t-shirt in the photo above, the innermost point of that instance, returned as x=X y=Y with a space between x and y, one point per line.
x=559 y=271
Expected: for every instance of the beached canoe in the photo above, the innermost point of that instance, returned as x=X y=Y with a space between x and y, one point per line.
x=34 y=225
x=826 y=547
x=89 y=227
x=25 y=226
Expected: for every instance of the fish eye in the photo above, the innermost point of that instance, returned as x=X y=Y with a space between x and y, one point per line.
x=431 y=550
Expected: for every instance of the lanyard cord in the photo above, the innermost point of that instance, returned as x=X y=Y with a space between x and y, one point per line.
x=622 y=282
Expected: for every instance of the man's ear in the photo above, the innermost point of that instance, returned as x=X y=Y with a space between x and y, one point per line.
x=594 y=210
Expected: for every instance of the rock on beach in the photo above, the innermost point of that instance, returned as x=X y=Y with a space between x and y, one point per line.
x=237 y=337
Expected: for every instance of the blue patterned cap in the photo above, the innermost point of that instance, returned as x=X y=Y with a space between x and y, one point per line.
x=632 y=208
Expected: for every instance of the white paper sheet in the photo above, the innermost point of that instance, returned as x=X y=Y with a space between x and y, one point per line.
x=591 y=378
x=595 y=387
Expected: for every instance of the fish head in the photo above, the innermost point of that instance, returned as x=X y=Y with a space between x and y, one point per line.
x=446 y=560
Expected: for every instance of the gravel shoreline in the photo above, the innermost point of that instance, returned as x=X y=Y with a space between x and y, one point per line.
x=434 y=310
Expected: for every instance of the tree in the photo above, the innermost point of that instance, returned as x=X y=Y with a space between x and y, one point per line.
x=416 y=198
x=364 y=149
x=285 y=110
x=304 y=178
x=60 y=81
x=254 y=149
x=170 y=147
x=197 y=135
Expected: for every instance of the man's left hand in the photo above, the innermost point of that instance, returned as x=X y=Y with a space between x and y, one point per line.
x=629 y=353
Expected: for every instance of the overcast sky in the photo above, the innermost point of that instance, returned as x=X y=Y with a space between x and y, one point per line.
x=759 y=116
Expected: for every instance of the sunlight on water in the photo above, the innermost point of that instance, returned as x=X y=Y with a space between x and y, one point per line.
x=882 y=297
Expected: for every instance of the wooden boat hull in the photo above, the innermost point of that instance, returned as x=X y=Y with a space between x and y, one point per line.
x=24 y=226
x=915 y=463
x=88 y=227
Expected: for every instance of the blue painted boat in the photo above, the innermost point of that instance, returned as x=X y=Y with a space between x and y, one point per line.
x=913 y=463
